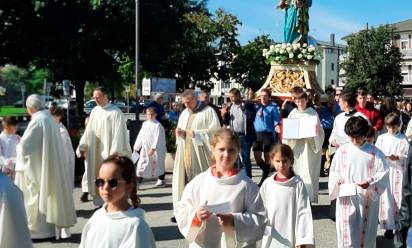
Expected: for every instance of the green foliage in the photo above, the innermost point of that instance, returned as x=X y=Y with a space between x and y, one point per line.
x=373 y=62
x=249 y=66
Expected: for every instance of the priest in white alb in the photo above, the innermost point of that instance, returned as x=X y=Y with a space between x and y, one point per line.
x=358 y=176
x=195 y=127
x=13 y=220
x=57 y=114
x=307 y=151
x=43 y=175
x=105 y=134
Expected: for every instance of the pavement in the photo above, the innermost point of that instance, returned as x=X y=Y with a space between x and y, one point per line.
x=157 y=202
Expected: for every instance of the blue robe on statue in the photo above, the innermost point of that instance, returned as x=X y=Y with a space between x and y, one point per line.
x=290 y=31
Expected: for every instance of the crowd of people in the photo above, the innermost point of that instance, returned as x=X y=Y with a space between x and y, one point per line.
x=362 y=144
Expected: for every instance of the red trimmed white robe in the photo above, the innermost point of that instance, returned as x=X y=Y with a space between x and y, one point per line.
x=357 y=215
x=390 y=202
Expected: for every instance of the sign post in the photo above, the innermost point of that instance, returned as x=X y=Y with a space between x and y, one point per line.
x=66 y=91
x=127 y=90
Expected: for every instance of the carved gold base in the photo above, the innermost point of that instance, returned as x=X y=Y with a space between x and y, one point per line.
x=282 y=78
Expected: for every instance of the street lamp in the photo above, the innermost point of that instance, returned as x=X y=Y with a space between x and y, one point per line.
x=23 y=90
x=137 y=92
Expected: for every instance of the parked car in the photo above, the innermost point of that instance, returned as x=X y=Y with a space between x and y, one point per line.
x=89 y=105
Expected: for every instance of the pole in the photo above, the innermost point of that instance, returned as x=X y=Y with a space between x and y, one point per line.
x=136 y=80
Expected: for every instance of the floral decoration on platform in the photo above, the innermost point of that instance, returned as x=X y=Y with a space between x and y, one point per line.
x=288 y=53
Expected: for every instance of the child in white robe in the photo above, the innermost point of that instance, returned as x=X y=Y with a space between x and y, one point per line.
x=151 y=143
x=357 y=178
x=307 y=151
x=395 y=147
x=57 y=114
x=118 y=223
x=8 y=142
x=221 y=207
x=287 y=204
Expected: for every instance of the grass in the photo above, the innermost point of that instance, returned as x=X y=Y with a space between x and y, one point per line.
x=12 y=111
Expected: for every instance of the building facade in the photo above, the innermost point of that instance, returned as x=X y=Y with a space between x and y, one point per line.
x=402 y=38
x=328 y=71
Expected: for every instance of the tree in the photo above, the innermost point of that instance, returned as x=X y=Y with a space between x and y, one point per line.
x=373 y=62
x=249 y=66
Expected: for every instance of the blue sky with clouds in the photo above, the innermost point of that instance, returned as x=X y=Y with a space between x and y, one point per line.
x=341 y=17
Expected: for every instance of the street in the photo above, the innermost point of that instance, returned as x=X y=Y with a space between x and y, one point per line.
x=157 y=202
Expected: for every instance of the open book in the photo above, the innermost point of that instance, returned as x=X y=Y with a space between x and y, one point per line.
x=300 y=128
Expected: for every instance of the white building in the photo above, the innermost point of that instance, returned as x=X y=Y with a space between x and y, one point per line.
x=403 y=39
x=328 y=71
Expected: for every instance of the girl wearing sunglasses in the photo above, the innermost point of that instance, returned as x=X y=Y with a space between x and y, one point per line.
x=119 y=223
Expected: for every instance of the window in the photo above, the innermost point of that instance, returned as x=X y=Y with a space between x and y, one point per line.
x=332 y=66
x=404 y=44
x=405 y=78
x=332 y=82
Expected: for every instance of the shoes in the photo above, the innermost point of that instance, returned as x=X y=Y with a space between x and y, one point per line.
x=388 y=234
x=83 y=198
x=160 y=183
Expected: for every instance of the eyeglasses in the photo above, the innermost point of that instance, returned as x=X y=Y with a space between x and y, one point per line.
x=99 y=182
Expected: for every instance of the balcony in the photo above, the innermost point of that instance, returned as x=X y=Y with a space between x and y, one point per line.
x=407 y=53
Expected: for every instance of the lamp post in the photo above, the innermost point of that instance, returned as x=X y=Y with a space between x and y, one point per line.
x=137 y=92
x=23 y=90
x=127 y=90
x=66 y=91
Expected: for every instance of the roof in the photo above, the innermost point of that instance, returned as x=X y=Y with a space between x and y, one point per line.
x=329 y=44
x=403 y=26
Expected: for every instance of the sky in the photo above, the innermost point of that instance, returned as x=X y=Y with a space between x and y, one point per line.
x=341 y=17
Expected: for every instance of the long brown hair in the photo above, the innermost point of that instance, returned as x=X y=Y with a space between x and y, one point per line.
x=224 y=134
x=128 y=173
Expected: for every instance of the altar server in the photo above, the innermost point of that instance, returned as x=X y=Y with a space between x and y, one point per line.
x=307 y=151
x=358 y=177
x=221 y=207
x=119 y=223
x=287 y=204
x=395 y=147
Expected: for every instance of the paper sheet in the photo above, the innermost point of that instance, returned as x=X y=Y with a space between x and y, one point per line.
x=347 y=189
x=300 y=128
x=135 y=157
x=220 y=208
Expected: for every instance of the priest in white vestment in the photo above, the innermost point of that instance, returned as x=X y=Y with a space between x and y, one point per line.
x=358 y=176
x=42 y=173
x=307 y=151
x=105 y=134
x=57 y=114
x=13 y=220
x=195 y=127
x=151 y=143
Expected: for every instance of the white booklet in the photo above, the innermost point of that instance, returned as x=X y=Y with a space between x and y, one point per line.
x=220 y=208
x=135 y=157
x=300 y=128
x=347 y=189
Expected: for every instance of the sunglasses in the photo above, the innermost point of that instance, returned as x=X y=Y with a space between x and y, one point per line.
x=111 y=182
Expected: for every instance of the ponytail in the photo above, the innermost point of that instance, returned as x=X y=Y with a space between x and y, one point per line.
x=128 y=174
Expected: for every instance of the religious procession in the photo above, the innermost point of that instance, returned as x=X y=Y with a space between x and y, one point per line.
x=251 y=168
